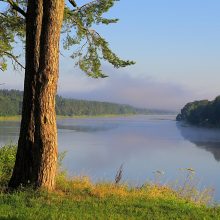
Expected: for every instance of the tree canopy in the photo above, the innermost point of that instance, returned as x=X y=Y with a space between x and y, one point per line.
x=78 y=30
x=202 y=113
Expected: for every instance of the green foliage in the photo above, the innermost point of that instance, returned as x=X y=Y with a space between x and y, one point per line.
x=204 y=113
x=77 y=30
x=11 y=104
x=12 y=26
x=92 y=47
x=73 y=107
x=7 y=160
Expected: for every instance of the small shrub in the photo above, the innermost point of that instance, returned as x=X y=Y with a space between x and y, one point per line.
x=7 y=160
x=188 y=188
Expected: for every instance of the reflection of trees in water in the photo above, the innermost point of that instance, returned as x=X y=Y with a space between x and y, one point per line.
x=9 y=132
x=84 y=128
x=205 y=138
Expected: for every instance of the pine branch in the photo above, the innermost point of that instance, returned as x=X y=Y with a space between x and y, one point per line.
x=83 y=6
x=73 y=3
x=13 y=58
x=16 y=7
x=3 y=15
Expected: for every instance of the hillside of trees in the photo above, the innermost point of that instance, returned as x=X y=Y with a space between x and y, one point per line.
x=11 y=104
x=202 y=113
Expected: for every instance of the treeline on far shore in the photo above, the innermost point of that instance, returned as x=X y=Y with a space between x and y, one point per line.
x=11 y=104
x=202 y=113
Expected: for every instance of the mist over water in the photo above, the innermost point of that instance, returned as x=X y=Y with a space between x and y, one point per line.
x=143 y=144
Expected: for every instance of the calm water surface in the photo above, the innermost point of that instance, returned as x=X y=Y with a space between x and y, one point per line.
x=144 y=144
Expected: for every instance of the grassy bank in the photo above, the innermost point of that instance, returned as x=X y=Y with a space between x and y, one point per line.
x=82 y=204
x=10 y=118
x=80 y=198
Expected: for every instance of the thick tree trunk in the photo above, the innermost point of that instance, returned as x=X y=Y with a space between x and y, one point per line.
x=36 y=157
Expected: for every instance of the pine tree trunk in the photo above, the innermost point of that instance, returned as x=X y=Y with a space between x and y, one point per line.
x=36 y=157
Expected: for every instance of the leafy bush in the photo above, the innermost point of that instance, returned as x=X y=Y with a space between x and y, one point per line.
x=7 y=160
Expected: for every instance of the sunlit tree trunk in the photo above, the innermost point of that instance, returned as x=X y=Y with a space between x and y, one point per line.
x=36 y=158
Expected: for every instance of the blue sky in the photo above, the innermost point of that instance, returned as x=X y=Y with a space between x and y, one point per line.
x=175 y=45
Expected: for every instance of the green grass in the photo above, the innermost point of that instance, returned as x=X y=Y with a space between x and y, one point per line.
x=32 y=205
x=79 y=198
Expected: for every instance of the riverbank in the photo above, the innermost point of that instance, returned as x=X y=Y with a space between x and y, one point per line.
x=80 y=198
x=18 y=117
x=59 y=117
x=102 y=202
x=10 y=118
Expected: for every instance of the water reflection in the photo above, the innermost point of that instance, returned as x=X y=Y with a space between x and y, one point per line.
x=84 y=128
x=9 y=131
x=205 y=138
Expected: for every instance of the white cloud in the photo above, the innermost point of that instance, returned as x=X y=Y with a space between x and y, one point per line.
x=126 y=88
x=121 y=87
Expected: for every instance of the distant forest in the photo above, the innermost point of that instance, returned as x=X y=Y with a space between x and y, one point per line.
x=11 y=104
x=202 y=113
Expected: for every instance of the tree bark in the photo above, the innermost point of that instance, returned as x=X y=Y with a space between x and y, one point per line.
x=36 y=157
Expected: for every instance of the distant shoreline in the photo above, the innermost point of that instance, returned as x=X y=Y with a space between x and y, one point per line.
x=18 y=117
x=10 y=118
x=203 y=113
x=95 y=116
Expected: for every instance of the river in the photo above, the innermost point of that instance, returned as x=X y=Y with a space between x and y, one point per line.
x=143 y=144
